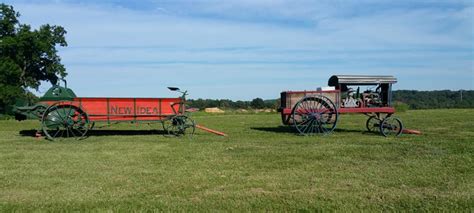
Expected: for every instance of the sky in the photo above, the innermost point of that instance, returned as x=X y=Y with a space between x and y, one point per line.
x=243 y=49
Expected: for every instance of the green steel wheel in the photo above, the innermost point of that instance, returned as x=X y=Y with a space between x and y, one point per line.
x=180 y=125
x=64 y=121
x=391 y=126
x=165 y=125
x=314 y=115
x=373 y=124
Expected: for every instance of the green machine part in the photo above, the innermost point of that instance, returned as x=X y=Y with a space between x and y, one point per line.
x=58 y=93
x=25 y=111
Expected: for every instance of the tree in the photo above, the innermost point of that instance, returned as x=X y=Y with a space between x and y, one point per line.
x=27 y=57
x=257 y=103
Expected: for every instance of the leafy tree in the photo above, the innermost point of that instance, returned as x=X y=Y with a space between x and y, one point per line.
x=27 y=56
x=241 y=104
x=257 y=103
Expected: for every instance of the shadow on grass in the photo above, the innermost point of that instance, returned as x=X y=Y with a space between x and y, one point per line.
x=288 y=129
x=33 y=132
x=279 y=129
x=357 y=131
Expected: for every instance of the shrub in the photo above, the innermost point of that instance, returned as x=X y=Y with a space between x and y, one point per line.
x=401 y=107
x=5 y=117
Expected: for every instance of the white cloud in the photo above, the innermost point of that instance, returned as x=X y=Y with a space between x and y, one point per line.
x=212 y=49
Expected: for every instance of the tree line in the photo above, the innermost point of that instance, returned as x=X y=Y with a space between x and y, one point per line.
x=411 y=98
x=257 y=103
x=435 y=99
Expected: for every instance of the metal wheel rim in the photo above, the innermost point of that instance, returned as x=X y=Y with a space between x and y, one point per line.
x=391 y=126
x=314 y=115
x=180 y=125
x=64 y=121
x=373 y=124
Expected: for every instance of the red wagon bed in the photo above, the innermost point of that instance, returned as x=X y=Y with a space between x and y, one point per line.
x=128 y=109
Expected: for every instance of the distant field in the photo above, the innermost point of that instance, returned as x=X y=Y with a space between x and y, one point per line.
x=260 y=166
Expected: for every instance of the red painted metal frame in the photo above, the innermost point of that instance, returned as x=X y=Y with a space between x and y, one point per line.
x=387 y=110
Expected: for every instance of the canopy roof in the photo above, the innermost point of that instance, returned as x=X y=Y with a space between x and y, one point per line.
x=335 y=80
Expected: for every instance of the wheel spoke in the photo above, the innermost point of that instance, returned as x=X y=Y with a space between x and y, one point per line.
x=324 y=129
x=59 y=115
x=310 y=129
x=69 y=120
x=304 y=130
x=312 y=105
x=314 y=115
x=70 y=109
x=57 y=131
x=391 y=126
x=62 y=133
x=313 y=128
x=304 y=122
x=72 y=132
x=309 y=126
x=52 y=123
x=67 y=132
x=78 y=131
x=307 y=107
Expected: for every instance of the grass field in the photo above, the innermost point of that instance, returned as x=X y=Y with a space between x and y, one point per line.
x=260 y=166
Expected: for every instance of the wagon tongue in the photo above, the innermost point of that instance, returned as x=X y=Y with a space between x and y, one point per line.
x=211 y=130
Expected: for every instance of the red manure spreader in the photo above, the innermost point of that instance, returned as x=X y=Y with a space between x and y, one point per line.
x=317 y=112
x=62 y=114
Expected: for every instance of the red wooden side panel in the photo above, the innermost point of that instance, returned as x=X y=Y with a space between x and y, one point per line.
x=128 y=109
x=96 y=108
x=120 y=109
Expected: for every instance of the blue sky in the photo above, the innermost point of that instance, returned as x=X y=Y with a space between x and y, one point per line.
x=242 y=49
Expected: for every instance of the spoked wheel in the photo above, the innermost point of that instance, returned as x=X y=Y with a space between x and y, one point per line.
x=314 y=115
x=391 y=126
x=65 y=121
x=373 y=124
x=180 y=125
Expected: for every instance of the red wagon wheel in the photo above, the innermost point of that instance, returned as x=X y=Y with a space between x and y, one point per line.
x=314 y=115
x=63 y=120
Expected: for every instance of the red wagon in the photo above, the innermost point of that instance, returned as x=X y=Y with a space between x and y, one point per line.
x=62 y=114
x=317 y=112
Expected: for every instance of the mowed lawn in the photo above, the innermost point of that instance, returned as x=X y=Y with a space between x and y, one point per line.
x=260 y=166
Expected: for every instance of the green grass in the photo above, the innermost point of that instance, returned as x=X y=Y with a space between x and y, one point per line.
x=260 y=166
